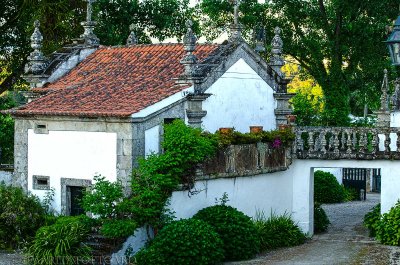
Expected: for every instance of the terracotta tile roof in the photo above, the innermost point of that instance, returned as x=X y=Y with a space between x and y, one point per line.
x=116 y=81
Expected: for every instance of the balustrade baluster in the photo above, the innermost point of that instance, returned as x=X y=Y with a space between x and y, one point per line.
x=299 y=142
x=361 y=143
x=343 y=141
x=354 y=142
x=311 y=141
x=322 y=141
x=336 y=142
x=348 y=142
x=387 y=142
x=374 y=142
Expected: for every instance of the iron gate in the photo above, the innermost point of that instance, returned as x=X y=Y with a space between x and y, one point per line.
x=376 y=180
x=356 y=178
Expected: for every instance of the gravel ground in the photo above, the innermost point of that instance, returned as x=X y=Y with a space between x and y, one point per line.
x=7 y=258
x=346 y=242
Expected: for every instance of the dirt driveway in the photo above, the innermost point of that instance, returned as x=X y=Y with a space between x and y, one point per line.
x=346 y=242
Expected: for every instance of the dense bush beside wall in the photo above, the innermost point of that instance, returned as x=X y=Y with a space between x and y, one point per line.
x=236 y=230
x=278 y=231
x=388 y=230
x=351 y=194
x=159 y=175
x=327 y=189
x=372 y=219
x=183 y=242
x=20 y=216
x=61 y=243
x=321 y=220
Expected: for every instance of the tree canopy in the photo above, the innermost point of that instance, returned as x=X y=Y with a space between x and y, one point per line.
x=338 y=42
x=60 y=22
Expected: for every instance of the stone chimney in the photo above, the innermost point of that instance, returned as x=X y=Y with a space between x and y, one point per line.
x=88 y=35
x=132 y=40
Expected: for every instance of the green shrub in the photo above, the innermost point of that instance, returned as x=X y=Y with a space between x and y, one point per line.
x=278 y=231
x=60 y=243
x=118 y=228
x=372 y=219
x=20 y=216
x=183 y=242
x=351 y=194
x=327 y=189
x=236 y=230
x=103 y=198
x=321 y=220
x=159 y=175
x=388 y=229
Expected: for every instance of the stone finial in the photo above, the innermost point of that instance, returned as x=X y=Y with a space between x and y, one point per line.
x=259 y=37
x=384 y=89
x=276 y=58
x=396 y=95
x=88 y=25
x=132 y=40
x=189 y=44
x=236 y=27
x=36 y=61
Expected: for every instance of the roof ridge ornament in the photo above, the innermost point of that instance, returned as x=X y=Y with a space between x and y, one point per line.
x=384 y=89
x=132 y=39
x=259 y=37
x=189 y=45
x=88 y=25
x=236 y=27
x=36 y=61
x=276 y=60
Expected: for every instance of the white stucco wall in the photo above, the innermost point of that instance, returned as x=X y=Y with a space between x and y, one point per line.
x=266 y=192
x=240 y=98
x=70 y=154
x=152 y=140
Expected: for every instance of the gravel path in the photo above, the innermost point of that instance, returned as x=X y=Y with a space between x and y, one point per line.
x=346 y=242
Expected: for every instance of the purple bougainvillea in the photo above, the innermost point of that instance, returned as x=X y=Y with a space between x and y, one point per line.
x=276 y=143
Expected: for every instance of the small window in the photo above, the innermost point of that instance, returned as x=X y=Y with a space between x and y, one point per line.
x=41 y=182
x=41 y=128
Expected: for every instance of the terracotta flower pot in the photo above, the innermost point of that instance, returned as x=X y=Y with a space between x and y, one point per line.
x=256 y=129
x=283 y=127
x=225 y=130
x=291 y=118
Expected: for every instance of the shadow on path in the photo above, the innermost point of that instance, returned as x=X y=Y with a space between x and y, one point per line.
x=346 y=241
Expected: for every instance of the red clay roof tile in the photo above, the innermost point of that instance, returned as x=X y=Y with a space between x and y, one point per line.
x=117 y=81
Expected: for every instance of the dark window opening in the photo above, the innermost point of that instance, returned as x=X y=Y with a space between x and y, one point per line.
x=43 y=182
x=75 y=197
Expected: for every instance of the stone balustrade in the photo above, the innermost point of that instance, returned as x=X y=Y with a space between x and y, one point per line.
x=347 y=143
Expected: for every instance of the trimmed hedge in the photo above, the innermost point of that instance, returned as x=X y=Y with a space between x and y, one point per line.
x=236 y=230
x=327 y=189
x=388 y=228
x=321 y=220
x=183 y=242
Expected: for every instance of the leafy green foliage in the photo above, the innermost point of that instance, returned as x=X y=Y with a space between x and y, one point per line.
x=278 y=231
x=6 y=131
x=20 y=216
x=183 y=242
x=327 y=189
x=321 y=220
x=236 y=230
x=60 y=243
x=388 y=230
x=339 y=43
x=102 y=199
x=118 y=228
x=158 y=175
x=308 y=112
x=233 y=137
x=351 y=194
x=372 y=220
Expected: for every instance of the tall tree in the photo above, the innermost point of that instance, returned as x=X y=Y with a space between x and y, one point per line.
x=339 y=42
x=60 y=22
